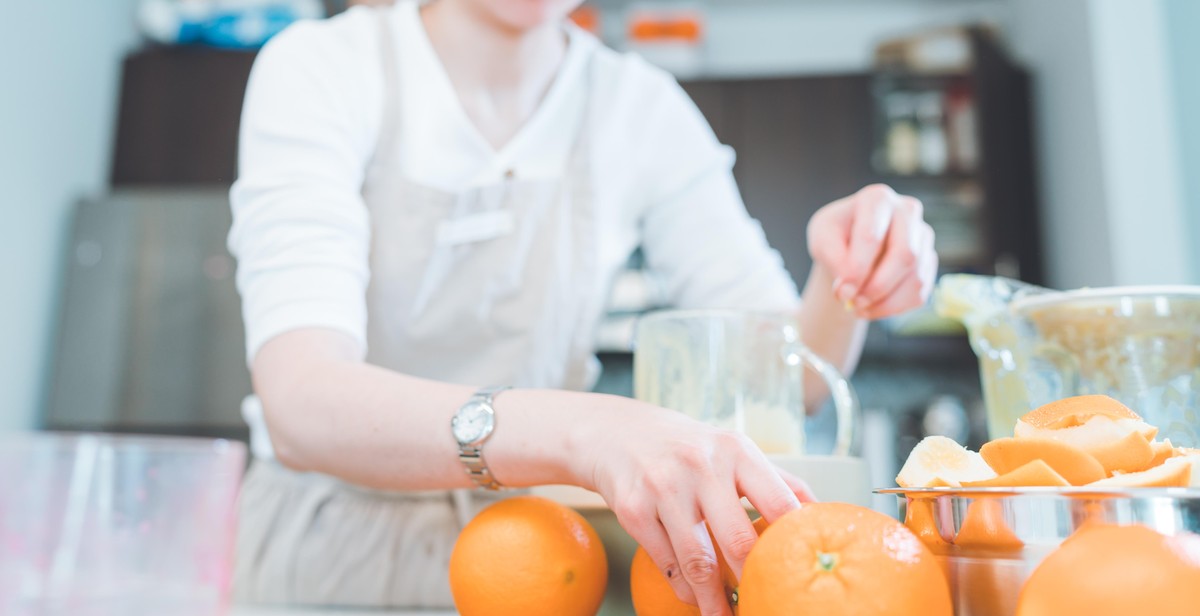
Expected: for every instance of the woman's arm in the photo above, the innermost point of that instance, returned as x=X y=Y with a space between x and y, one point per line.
x=663 y=473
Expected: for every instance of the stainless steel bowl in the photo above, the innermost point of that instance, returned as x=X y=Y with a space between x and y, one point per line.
x=991 y=539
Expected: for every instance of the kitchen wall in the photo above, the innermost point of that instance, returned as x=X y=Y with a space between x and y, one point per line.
x=815 y=37
x=1111 y=176
x=1183 y=22
x=792 y=37
x=59 y=62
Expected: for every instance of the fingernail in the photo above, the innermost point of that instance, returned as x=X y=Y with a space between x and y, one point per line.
x=848 y=293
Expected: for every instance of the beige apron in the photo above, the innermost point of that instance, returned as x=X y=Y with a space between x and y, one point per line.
x=489 y=286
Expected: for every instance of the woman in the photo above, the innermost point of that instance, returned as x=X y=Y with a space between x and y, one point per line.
x=435 y=199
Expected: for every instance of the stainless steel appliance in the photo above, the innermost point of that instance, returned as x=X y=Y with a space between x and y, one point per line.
x=150 y=338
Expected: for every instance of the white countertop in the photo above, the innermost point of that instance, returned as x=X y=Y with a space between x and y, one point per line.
x=254 y=610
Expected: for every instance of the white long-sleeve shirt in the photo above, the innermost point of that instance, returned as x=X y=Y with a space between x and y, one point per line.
x=312 y=117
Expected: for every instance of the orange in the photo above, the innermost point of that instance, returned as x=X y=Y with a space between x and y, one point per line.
x=1107 y=570
x=528 y=555
x=1075 y=411
x=652 y=593
x=835 y=558
x=1076 y=466
x=1127 y=455
x=1035 y=473
x=1162 y=476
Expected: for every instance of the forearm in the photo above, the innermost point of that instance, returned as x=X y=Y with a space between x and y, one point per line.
x=328 y=411
x=829 y=329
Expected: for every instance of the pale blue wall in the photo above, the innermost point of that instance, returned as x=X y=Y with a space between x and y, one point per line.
x=1183 y=23
x=59 y=65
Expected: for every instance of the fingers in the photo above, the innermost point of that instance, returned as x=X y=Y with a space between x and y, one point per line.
x=872 y=217
x=901 y=256
x=914 y=291
x=829 y=231
x=697 y=560
x=766 y=489
x=798 y=486
x=646 y=529
x=730 y=526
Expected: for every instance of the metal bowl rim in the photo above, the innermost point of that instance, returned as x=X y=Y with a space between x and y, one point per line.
x=1044 y=491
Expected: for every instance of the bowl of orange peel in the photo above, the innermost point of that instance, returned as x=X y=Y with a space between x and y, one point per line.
x=1082 y=511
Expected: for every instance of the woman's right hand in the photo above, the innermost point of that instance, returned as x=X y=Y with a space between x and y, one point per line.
x=666 y=475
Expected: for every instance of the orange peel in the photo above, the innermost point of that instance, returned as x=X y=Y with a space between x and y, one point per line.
x=1030 y=474
x=1005 y=455
x=1164 y=476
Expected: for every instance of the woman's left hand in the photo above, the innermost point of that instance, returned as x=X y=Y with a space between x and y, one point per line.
x=878 y=249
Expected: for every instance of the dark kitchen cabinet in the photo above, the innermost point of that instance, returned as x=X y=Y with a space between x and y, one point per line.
x=177 y=122
x=801 y=143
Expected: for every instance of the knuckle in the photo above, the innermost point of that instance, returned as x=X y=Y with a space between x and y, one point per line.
x=660 y=480
x=733 y=441
x=692 y=457
x=912 y=204
x=740 y=543
x=699 y=567
x=632 y=514
x=877 y=192
x=865 y=236
x=780 y=501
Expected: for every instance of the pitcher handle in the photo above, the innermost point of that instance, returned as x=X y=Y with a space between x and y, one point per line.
x=845 y=402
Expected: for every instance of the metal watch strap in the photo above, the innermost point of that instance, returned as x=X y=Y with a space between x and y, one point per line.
x=472 y=456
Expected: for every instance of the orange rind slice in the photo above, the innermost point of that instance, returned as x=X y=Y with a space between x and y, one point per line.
x=1006 y=455
x=1192 y=461
x=1095 y=432
x=1128 y=455
x=1031 y=474
x=1168 y=475
x=1077 y=410
x=1163 y=450
x=919 y=518
x=985 y=527
x=939 y=461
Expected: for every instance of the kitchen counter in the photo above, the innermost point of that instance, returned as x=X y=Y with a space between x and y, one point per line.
x=253 y=610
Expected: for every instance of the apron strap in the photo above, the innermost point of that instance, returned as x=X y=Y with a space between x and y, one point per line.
x=390 y=121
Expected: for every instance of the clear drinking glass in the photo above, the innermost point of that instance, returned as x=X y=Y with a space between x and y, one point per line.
x=741 y=371
x=95 y=524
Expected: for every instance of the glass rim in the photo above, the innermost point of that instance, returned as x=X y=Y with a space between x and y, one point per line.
x=718 y=313
x=1141 y=292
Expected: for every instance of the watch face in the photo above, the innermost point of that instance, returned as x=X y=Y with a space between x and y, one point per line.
x=472 y=422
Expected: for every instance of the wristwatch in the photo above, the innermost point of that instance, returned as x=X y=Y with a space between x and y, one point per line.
x=472 y=425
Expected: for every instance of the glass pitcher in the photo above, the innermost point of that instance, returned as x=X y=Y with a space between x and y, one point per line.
x=739 y=371
x=1140 y=345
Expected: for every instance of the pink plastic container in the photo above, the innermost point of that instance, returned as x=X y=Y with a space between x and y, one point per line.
x=99 y=524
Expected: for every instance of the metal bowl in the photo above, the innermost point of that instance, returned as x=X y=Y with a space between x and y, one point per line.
x=991 y=539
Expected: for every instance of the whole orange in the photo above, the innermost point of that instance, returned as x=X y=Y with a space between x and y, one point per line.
x=1108 y=570
x=834 y=558
x=528 y=555
x=652 y=593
